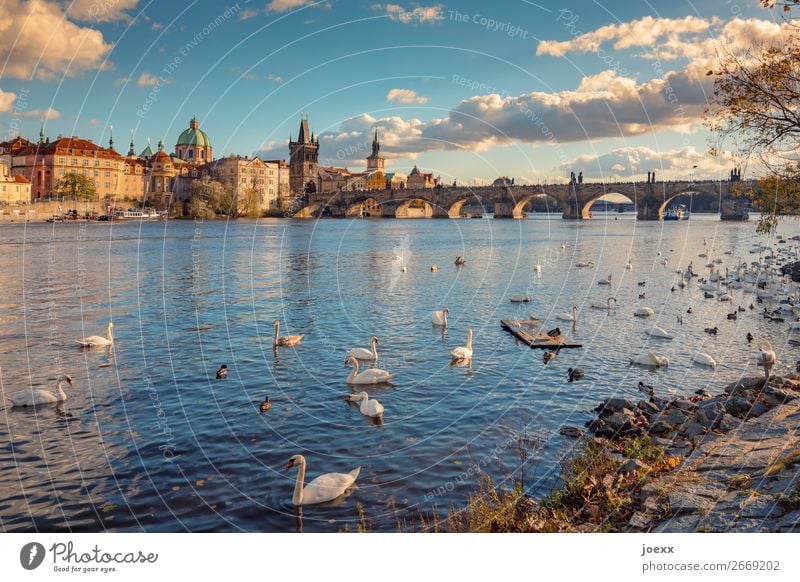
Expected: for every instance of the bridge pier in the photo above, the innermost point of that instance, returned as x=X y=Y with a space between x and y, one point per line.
x=573 y=210
x=734 y=210
x=648 y=208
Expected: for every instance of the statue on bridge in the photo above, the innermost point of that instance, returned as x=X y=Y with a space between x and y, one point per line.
x=735 y=175
x=580 y=177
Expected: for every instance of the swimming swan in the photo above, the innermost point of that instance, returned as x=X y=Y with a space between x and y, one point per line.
x=368 y=376
x=644 y=312
x=364 y=353
x=606 y=305
x=98 y=340
x=440 y=317
x=371 y=408
x=34 y=397
x=464 y=353
x=287 y=340
x=324 y=488
x=704 y=360
x=569 y=316
x=651 y=360
x=659 y=332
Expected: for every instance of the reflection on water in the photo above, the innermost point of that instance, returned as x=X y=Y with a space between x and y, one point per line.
x=150 y=440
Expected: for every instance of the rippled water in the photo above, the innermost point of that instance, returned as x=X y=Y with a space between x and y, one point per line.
x=150 y=440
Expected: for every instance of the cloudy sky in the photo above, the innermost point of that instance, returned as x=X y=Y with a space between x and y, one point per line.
x=469 y=89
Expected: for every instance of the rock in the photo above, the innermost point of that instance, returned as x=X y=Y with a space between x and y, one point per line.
x=760 y=506
x=728 y=423
x=676 y=417
x=746 y=383
x=737 y=406
x=605 y=432
x=635 y=465
x=710 y=411
x=660 y=403
x=595 y=424
x=640 y=520
x=693 y=429
x=647 y=407
x=757 y=409
x=790 y=521
x=684 y=404
x=615 y=405
x=660 y=427
x=634 y=431
x=571 y=431
x=621 y=420
x=793 y=270
x=775 y=396
x=687 y=500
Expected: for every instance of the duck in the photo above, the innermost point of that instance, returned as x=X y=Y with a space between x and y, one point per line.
x=434 y=268
x=711 y=330
x=36 y=397
x=641 y=295
x=659 y=332
x=549 y=356
x=642 y=283
x=749 y=337
x=646 y=388
x=704 y=360
x=97 y=340
x=222 y=372
x=368 y=376
x=266 y=405
x=606 y=305
x=440 y=317
x=287 y=340
x=629 y=266
x=324 y=488
x=537 y=268
x=371 y=408
x=605 y=281
x=555 y=332
x=651 y=360
x=644 y=312
x=365 y=354
x=460 y=261
x=569 y=316
x=733 y=316
x=689 y=311
x=574 y=374
x=463 y=352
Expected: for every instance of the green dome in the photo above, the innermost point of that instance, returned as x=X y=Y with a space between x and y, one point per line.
x=194 y=136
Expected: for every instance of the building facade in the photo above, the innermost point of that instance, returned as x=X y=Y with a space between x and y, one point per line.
x=270 y=179
x=303 y=161
x=419 y=181
x=14 y=189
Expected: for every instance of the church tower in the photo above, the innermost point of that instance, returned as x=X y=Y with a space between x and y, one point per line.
x=303 y=161
x=375 y=161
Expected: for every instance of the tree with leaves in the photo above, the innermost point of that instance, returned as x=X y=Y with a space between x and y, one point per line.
x=208 y=198
x=76 y=186
x=756 y=104
x=249 y=203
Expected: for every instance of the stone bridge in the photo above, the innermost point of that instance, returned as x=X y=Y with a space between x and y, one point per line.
x=650 y=199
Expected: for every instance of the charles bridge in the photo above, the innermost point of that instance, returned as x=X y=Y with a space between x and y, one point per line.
x=575 y=199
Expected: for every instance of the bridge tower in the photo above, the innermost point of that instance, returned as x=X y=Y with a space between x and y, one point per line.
x=303 y=161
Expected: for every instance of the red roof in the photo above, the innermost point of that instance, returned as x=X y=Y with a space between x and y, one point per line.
x=72 y=146
x=21 y=179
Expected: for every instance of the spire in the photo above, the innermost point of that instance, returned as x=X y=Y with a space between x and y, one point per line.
x=131 y=151
x=161 y=144
x=376 y=145
x=41 y=133
x=302 y=137
x=111 y=137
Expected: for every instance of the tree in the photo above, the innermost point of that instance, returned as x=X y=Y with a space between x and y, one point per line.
x=756 y=104
x=76 y=186
x=209 y=196
x=249 y=204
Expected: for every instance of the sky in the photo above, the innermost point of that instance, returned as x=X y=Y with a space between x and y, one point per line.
x=469 y=90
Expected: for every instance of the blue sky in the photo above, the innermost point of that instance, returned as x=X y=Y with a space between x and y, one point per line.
x=466 y=89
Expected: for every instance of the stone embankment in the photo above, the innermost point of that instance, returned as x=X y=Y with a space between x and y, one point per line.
x=737 y=457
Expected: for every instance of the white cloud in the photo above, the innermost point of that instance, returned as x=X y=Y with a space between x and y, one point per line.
x=99 y=10
x=405 y=96
x=37 y=40
x=6 y=100
x=95 y=121
x=249 y=13
x=286 y=5
x=44 y=114
x=418 y=14
x=151 y=80
x=635 y=161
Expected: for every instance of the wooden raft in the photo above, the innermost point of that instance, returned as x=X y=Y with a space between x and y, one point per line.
x=540 y=341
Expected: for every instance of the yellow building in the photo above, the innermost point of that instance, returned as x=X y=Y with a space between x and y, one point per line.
x=14 y=189
x=239 y=174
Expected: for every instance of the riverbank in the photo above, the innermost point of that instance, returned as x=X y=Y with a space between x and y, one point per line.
x=723 y=463
x=41 y=211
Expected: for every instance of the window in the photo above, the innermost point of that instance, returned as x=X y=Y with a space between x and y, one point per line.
x=107 y=174
x=85 y=162
x=107 y=184
x=62 y=171
x=97 y=162
x=86 y=172
x=62 y=160
x=74 y=162
x=191 y=154
x=96 y=173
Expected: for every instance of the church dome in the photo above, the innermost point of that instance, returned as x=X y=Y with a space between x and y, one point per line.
x=194 y=136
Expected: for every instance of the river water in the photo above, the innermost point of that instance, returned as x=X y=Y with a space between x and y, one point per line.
x=149 y=440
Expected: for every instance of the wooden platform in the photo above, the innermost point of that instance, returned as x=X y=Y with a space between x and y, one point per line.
x=540 y=340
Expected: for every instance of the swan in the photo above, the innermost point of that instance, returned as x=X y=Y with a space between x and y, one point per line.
x=651 y=360
x=98 y=340
x=222 y=372
x=606 y=305
x=585 y=264
x=324 y=488
x=705 y=360
x=644 y=312
x=605 y=281
x=403 y=269
x=569 y=316
x=34 y=397
x=537 y=268
x=766 y=355
x=464 y=353
x=434 y=268
x=266 y=405
x=287 y=340
x=440 y=317
x=659 y=332
x=368 y=376
x=364 y=353
x=371 y=408
x=629 y=266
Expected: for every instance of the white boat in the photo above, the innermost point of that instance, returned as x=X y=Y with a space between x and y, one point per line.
x=678 y=212
x=136 y=215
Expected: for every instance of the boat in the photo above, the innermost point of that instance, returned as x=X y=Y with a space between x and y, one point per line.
x=55 y=218
x=679 y=212
x=131 y=214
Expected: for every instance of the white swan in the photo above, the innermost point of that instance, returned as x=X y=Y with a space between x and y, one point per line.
x=644 y=312
x=364 y=353
x=34 y=397
x=659 y=332
x=629 y=266
x=766 y=355
x=98 y=340
x=287 y=340
x=605 y=281
x=464 y=353
x=705 y=360
x=537 y=268
x=371 y=408
x=368 y=376
x=440 y=317
x=651 y=360
x=569 y=316
x=606 y=305
x=324 y=488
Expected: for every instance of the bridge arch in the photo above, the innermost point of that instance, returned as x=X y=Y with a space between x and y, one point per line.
x=365 y=207
x=414 y=208
x=455 y=208
x=691 y=191
x=587 y=206
x=523 y=202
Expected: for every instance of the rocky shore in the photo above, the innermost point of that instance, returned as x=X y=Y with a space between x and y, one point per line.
x=729 y=462
x=793 y=270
